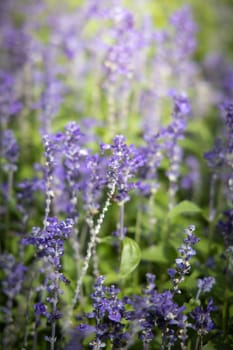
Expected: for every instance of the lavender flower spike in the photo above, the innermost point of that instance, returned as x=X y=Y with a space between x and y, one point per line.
x=204 y=285
x=182 y=263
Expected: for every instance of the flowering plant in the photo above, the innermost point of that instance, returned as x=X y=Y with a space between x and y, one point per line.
x=116 y=128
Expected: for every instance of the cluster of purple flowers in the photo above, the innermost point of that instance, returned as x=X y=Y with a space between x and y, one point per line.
x=49 y=246
x=151 y=312
x=108 y=313
x=72 y=85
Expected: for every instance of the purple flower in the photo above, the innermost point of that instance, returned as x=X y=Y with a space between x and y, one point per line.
x=10 y=150
x=9 y=104
x=202 y=318
x=86 y=329
x=108 y=312
x=156 y=310
x=182 y=263
x=192 y=179
x=227 y=109
x=50 y=241
x=16 y=45
x=49 y=244
x=219 y=72
x=225 y=227
x=181 y=105
x=149 y=160
x=122 y=166
x=121 y=56
x=14 y=275
x=40 y=308
x=205 y=284
x=216 y=157
x=185 y=28
x=171 y=135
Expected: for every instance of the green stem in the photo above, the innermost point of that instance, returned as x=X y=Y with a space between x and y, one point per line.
x=55 y=301
x=111 y=109
x=224 y=314
x=199 y=344
x=138 y=227
x=137 y=239
x=212 y=210
x=122 y=212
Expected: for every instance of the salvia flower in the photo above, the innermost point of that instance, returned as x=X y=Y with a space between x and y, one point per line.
x=157 y=311
x=216 y=157
x=45 y=240
x=225 y=227
x=172 y=134
x=120 y=57
x=108 y=312
x=202 y=318
x=10 y=150
x=205 y=284
x=12 y=285
x=227 y=109
x=49 y=244
x=122 y=166
x=9 y=103
x=14 y=275
x=151 y=156
x=183 y=262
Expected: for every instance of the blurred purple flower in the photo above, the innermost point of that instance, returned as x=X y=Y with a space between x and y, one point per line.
x=202 y=318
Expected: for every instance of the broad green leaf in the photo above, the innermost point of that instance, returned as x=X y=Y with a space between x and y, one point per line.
x=209 y=346
x=184 y=207
x=159 y=253
x=130 y=257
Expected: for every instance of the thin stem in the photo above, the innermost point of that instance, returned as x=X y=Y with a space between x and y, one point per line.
x=124 y=113
x=90 y=223
x=212 y=197
x=74 y=235
x=76 y=247
x=174 y=174
x=122 y=212
x=35 y=336
x=55 y=301
x=225 y=315
x=95 y=262
x=151 y=207
x=6 y=334
x=198 y=294
x=93 y=235
x=49 y=196
x=137 y=239
x=199 y=344
x=212 y=210
x=29 y=298
x=111 y=108
x=37 y=316
x=53 y=338
x=10 y=184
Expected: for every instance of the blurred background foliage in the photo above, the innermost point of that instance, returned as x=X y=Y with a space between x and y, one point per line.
x=159 y=239
x=214 y=19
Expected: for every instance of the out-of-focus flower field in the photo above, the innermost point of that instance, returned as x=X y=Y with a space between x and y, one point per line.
x=116 y=151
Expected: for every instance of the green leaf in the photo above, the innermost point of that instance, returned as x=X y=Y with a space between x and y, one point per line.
x=209 y=346
x=159 y=253
x=184 y=207
x=130 y=257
